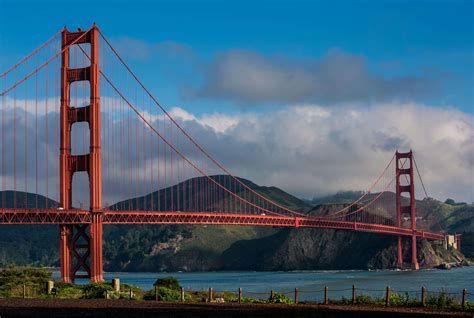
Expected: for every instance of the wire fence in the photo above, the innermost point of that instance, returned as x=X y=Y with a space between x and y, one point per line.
x=354 y=295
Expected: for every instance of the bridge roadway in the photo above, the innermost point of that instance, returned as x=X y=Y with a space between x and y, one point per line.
x=43 y=216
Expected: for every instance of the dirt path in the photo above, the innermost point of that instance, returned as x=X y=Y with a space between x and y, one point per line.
x=123 y=308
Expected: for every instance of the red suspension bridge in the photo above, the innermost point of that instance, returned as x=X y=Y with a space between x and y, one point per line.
x=73 y=111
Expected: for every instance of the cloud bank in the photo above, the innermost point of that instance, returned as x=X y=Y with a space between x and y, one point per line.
x=305 y=149
x=311 y=150
x=248 y=77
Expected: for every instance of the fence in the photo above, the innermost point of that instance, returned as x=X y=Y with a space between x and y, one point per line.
x=325 y=295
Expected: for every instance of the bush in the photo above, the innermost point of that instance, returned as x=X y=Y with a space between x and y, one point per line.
x=164 y=294
x=403 y=300
x=279 y=299
x=68 y=290
x=442 y=300
x=368 y=300
x=13 y=279
x=20 y=276
x=168 y=282
x=97 y=290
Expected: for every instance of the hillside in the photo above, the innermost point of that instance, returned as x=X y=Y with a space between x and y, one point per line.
x=200 y=248
x=146 y=247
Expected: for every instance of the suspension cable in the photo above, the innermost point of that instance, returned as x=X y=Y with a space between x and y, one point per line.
x=419 y=176
x=45 y=63
x=204 y=151
x=192 y=139
x=26 y=58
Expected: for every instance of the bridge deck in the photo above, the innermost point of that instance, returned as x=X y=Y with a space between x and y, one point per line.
x=27 y=216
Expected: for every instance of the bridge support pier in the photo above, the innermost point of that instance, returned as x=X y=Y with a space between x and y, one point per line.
x=403 y=209
x=65 y=251
x=399 y=253
x=414 y=260
x=81 y=245
x=96 y=274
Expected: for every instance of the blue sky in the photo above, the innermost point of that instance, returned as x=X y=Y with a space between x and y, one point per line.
x=429 y=39
x=328 y=90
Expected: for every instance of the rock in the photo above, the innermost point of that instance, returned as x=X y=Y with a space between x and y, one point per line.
x=445 y=266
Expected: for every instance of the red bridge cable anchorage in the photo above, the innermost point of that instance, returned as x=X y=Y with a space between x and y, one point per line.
x=26 y=58
x=193 y=140
x=44 y=64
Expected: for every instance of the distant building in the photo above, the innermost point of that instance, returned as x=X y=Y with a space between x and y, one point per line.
x=453 y=240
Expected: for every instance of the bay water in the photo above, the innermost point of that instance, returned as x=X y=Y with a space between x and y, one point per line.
x=311 y=283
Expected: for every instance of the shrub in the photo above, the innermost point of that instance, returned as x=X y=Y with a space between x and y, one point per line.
x=403 y=300
x=249 y=300
x=164 y=294
x=279 y=299
x=13 y=279
x=442 y=300
x=366 y=299
x=168 y=282
x=20 y=276
x=97 y=290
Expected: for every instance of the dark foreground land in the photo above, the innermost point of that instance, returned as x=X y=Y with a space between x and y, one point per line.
x=124 y=308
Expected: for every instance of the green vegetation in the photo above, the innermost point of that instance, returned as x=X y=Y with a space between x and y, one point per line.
x=168 y=289
x=14 y=280
x=438 y=300
x=168 y=282
x=339 y=197
x=278 y=298
x=207 y=248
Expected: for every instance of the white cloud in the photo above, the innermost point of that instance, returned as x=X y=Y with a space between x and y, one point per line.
x=311 y=150
x=304 y=149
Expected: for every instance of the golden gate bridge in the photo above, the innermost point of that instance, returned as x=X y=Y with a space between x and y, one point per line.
x=73 y=106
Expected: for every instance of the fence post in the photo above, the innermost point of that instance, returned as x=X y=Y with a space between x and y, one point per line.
x=49 y=286
x=387 y=297
x=464 y=298
x=326 y=300
x=156 y=293
x=24 y=291
x=210 y=294
x=272 y=294
x=240 y=295
x=116 y=284
x=106 y=294
x=296 y=296
x=182 y=294
x=353 y=294
x=131 y=293
x=423 y=296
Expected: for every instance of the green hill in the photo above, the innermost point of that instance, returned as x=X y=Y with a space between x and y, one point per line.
x=198 y=247
x=140 y=247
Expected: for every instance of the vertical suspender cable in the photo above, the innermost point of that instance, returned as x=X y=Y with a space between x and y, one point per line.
x=36 y=137
x=14 y=148
x=46 y=135
x=26 y=145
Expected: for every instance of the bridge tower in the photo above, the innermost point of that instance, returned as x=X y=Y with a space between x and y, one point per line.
x=402 y=171
x=81 y=245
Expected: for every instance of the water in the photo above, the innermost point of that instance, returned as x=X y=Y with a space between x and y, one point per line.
x=311 y=283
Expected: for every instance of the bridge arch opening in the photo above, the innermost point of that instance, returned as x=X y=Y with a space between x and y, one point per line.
x=80 y=191
x=80 y=94
x=80 y=138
